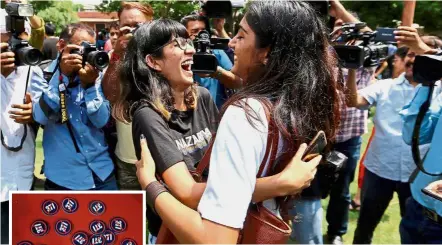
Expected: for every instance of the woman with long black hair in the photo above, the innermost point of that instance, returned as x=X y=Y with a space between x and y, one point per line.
x=282 y=54
x=178 y=118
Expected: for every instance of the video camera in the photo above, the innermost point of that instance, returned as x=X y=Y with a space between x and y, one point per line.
x=204 y=61
x=372 y=51
x=91 y=55
x=15 y=24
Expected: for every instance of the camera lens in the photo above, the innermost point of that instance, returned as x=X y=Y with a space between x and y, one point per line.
x=98 y=59
x=29 y=56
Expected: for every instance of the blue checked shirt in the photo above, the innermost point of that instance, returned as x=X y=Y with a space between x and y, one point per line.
x=88 y=111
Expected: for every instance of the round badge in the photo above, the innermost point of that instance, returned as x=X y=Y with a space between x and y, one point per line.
x=80 y=238
x=39 y=228
x=97 y=239
x=128 y=241
x=69 y=205
x=63 y=227
x=109 y=236
x=97 y=226
x=118 y=225
x=49 y=207
x=25 y=243
x=97 y=207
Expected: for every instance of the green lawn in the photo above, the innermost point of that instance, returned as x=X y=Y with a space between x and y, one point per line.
x=387 y=231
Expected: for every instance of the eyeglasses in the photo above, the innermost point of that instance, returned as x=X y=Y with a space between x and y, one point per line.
x=182 y=43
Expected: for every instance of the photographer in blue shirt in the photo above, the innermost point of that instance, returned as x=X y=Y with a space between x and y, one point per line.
x=217 y=82
x=72 y=109
x=422 y=222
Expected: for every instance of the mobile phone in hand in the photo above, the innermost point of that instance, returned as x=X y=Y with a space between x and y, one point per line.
x=316 y=147
x=434 y=193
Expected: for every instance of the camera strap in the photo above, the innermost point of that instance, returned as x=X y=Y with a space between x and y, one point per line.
x=64 y=113
x=416 y=132
x=25 y=133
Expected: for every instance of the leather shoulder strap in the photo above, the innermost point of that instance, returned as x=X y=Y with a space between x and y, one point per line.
x=205 y=161
x=271 y=147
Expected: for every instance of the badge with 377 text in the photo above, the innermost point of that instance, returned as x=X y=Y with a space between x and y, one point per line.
x=25 y=243
x=69 y=205
x=63 y=227
x=39 y=228
x=97 y=226
x=128 y=241
x=97 y=207
x=50 y=207
x=80 y=238
x=118 y=225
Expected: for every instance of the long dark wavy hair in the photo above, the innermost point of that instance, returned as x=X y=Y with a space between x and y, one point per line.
x=142 y=85
x=298 y=83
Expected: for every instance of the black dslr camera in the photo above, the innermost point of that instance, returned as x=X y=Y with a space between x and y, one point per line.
x=371 y=52
x=91 y=55
x=15 y=24
x=204 y=61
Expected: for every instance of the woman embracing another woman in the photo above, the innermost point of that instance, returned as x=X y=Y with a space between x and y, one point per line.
x=282 y=54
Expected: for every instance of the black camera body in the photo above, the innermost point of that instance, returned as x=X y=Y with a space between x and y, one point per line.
x=372 y=51
x=204 y=61
x=427 y=69
x=91 y=55
x=15 y=24
x=221 y=9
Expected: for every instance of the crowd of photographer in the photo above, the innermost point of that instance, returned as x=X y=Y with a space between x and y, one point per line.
x=155 y=110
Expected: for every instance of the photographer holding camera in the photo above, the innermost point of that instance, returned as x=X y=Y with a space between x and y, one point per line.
x=422 y=222
x=72 y=108
x=388 y=162
x=119 y=133
x=17 y=128
x=216 y=82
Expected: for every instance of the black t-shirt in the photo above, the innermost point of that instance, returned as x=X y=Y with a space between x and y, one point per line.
x=185 y=137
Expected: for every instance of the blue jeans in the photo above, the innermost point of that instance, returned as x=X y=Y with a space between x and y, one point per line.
x=307 y=221
x=338 y=206
x=109 y=184
x=416 y=228
x=376 y=194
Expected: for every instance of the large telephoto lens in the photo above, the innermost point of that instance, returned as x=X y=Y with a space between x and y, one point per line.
x=98 y=59
x=29 y=56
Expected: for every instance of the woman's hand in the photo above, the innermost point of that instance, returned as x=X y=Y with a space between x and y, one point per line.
x=146 y=165
x=298 y=175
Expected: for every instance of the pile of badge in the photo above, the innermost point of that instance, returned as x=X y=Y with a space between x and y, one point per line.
x=101 y=233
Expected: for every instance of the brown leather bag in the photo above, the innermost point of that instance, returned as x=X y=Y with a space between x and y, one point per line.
x=260 y=226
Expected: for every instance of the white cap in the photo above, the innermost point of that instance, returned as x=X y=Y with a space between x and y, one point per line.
x=3 y=15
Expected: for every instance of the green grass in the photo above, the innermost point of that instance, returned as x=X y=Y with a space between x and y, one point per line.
x=387 y=231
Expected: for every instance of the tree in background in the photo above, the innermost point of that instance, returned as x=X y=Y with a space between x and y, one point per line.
x=383 y=13
x=60 y=13
x=172 y=9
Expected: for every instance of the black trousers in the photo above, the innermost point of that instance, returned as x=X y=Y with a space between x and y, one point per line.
x=5 y=222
